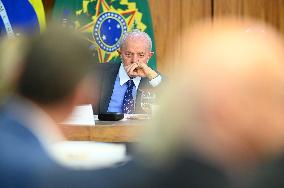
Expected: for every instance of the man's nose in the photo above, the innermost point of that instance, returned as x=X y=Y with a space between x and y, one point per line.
x=134 y=58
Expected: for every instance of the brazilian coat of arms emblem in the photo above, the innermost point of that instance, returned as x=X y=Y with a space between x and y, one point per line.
x=105 y=22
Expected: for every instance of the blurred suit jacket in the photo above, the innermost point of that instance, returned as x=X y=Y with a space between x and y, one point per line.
x=25 y=163
x=23 y=160
x=105 y=75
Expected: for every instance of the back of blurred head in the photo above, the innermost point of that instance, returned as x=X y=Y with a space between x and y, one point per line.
x=226 y=100
x=54 y=69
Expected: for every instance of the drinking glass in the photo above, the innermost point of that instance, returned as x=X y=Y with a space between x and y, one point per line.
x=147 y=100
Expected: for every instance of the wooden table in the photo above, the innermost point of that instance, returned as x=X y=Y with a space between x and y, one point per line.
x=105 y=131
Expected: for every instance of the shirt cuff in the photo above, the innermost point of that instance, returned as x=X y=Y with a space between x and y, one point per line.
x=155 y=81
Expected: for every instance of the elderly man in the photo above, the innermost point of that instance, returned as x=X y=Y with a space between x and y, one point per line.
x=120 y=85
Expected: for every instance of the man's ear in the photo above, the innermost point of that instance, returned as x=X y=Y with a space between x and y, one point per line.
x=83 y=91
x=151 y=54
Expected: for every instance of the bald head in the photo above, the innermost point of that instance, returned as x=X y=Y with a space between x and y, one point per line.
x=236 y=77
x=228 y=95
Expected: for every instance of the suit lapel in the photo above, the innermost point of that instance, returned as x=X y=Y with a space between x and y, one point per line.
x=108 y=81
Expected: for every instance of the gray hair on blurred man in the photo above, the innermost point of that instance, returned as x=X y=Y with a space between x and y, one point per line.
x=226 y=102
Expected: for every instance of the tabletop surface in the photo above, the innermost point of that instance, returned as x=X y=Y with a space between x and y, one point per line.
x=126 y=130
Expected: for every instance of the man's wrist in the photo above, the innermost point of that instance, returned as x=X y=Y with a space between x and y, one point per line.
x=155 y=81
x=152 y=75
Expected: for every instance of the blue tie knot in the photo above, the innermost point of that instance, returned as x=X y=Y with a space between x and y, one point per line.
x=130 y=83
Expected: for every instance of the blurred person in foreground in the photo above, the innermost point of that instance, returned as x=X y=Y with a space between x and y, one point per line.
x=120 y=85
x=46 y=76
x=223 y=114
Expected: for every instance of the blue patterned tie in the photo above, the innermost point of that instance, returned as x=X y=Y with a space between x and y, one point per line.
x=128 y=101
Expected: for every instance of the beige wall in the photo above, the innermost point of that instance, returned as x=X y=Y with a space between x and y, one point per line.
x=170 y=17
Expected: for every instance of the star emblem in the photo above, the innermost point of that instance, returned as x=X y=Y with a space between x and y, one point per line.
x=106 y=53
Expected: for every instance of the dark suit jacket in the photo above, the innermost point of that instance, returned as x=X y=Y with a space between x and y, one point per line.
x=105 y=75
x=269 y=174
x=185 y=171
x=25 y=163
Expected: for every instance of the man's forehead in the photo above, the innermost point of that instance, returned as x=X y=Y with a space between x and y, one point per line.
x=139 y=45
x=131 y=51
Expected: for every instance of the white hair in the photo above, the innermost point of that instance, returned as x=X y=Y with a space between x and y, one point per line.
x=136 y=33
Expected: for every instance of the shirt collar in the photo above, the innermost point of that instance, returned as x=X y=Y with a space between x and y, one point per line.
x=123 y=77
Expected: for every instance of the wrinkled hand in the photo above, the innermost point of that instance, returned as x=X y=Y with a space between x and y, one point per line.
x=140 y=69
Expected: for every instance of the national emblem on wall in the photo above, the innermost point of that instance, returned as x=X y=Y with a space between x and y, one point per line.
x=104 y=22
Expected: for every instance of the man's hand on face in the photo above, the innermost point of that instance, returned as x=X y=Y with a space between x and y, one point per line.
x=140 y=69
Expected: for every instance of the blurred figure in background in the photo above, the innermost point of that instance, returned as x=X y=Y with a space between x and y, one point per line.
x=223 y=113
